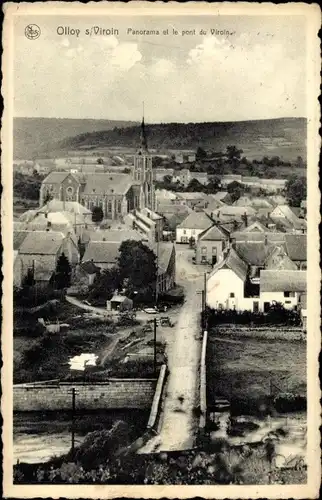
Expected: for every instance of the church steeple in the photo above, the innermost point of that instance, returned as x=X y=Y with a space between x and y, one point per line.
x=143 y=139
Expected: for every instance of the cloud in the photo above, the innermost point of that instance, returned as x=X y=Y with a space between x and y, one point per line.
x=216 y=79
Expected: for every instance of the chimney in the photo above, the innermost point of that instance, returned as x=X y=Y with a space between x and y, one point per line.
x=265 y=240
x=46 y=215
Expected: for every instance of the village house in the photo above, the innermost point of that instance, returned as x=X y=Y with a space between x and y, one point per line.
x=282 y=286
x=225 y=287
x=190 y=199
x=192 y=226
x=40 y=251
x=211 y=245
x=119 y=303
x=160 y=173
x=227 y=213
x=285 y=216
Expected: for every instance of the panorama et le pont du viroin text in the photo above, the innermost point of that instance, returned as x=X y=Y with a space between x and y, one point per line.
x=100 y=31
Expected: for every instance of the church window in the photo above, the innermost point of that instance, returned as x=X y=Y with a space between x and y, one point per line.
x=109 y=206
x=119 y=207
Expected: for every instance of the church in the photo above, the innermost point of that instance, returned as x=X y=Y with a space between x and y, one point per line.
x=116 y=193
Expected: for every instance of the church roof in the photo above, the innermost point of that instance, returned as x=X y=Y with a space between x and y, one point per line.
x=108 y=183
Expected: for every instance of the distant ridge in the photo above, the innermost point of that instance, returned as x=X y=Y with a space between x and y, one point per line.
x=33 y=136
x=284 y=137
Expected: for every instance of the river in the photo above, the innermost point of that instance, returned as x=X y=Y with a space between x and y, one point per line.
x=38 y=437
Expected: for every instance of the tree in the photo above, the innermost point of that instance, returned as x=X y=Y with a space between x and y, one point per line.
x=195 y=186
x=97 y=214
x=295 y=190
x=236 y=190
x=48 y=197
x=28 y=281
x=233 y=156
x=299 y=163
x=63 y=272
x=137 y=267
x=100 y=161
x=105 y=284
x=201 y=154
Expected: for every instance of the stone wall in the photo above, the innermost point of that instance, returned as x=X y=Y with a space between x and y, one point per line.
x=110 y=395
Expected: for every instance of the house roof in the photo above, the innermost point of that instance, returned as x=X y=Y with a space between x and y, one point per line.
x=108 y=183
x=233 y=211
x=196 y=220
x=253 y=202
x=283 y=281
x=220 y=195
x=255 y=254
x=296 y=246
x=115 y=235
x=119 y=298
x=256 y=226
x=89 y=267
x=28 y=216
x=172 y=208
x=41 y=243
x=287 y=212
x=102 y=252
x=252 y=237
x=214 y=233
x=64 y=206
x=18 y=238
x=191 y=196
x=278 y=259
x=163 y=250
x=234 y=262
x=55 y=177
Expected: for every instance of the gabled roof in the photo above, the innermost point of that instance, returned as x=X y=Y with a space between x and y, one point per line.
x=108 y=183
x=196 y=220
x=255 y=226
x=55 y=177
x=278 y=259
x=283 y=281
x=214 y=233
x=220 y=195
x=102 y=252
x=172 y=208
x=255 y=254
x=233 y=211
x=234 y=262
x=42 y=243
x=296 y=246
x=163 y=251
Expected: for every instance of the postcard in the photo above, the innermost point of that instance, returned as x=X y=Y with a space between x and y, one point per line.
x=161 y=278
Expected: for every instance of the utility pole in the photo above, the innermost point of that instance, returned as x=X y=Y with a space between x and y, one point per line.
x=157 y=275
x=155 y=347
x=73 y=418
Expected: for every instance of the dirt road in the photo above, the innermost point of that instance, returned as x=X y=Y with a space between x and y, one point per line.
x=179 y=421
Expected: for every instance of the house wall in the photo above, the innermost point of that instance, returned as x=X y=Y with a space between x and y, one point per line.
x=205 y=248
x=41 y=262
x=287 y=302
x=17 y=271
x=70 y=250
x=184 y=235
x=224 y=283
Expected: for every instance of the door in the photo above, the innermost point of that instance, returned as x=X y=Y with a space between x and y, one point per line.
x=256 y=306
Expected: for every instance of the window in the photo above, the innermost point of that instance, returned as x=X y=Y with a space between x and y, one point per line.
x=203 y=258
x=232 y=295
x=193 y=231
x=288 y=302
x=119 y=207
x=70 y=190
x=204 y=250
x=109 y=206
x=289 y=294
x=184 y=231
x=214 y=250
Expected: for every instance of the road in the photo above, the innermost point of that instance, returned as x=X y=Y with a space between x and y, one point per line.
x=179 y=421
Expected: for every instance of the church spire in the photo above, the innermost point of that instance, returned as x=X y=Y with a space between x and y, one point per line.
x=143 y=139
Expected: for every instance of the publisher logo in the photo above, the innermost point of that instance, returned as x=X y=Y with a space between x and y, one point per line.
x=32 y=31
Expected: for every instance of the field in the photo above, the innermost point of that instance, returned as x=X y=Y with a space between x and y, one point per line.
x=251 y=369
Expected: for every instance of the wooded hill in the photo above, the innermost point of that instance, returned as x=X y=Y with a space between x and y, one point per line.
x=283 y=137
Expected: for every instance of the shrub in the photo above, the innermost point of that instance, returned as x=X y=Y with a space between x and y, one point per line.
x=287 y=402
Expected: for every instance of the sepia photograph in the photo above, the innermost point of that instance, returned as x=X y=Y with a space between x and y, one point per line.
x=160 y=214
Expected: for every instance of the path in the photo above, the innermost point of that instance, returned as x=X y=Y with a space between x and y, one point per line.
x=179 y=422
x=85 y=307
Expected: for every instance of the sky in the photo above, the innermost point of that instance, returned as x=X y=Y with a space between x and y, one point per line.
x=254 y=70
